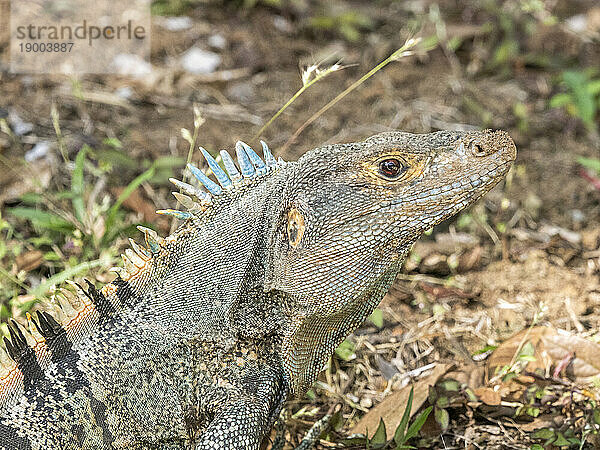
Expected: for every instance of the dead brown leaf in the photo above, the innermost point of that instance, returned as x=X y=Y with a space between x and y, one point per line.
x=13 y=184
x=471 y=259
x=392 y=408
x=468 y=374
x=488 y=396
x=551 y=347
x=29 y=260
x=511 y=390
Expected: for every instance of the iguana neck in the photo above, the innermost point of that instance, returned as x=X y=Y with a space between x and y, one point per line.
x=215 y=268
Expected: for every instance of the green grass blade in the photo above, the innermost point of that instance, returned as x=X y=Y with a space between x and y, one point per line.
x=380 y=436
x=135 y=183
x=400 y=431
x=66 y=274
x=417 y=424
x=43 y=219
x=590 y=163
x=77 y=187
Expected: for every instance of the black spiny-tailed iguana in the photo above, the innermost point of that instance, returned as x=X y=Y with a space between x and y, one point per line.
x=203 y=335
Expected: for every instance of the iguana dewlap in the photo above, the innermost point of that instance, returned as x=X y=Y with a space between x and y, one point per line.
x=204 y=334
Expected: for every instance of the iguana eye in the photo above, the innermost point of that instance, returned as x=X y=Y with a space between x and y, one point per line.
x=391 y=168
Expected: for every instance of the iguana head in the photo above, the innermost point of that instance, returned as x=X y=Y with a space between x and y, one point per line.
x=351 y=214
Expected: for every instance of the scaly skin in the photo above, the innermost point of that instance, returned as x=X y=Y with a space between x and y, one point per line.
x=202 y=339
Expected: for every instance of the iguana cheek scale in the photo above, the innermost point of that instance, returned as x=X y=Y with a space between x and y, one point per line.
x=204 y=334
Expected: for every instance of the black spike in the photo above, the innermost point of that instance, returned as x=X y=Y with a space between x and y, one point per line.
x=9 y=348
x=23 y=355
x=102 y=304
x=124 y=292
x=54 y=334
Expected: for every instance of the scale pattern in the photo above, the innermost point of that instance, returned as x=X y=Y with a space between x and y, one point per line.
x=204 y=334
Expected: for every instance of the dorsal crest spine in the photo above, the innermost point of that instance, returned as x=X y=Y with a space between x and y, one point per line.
x=251 y=167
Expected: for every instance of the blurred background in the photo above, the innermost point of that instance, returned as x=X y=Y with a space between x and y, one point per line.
x=85 y=159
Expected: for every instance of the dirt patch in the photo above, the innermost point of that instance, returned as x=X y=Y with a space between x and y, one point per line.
x=513 y=293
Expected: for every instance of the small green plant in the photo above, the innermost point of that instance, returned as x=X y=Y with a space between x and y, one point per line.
x=525 y=352
x=72 y=224
x=556 y=438
x=582 y=96
x=403 y=434
x=592 y=164
x=574 y=433
x=515 y=21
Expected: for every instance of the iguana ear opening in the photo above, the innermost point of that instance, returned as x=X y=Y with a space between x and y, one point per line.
x=295 y=227
x=285 y=238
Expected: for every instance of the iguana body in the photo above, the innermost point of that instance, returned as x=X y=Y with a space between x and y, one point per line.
x=203 y=336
